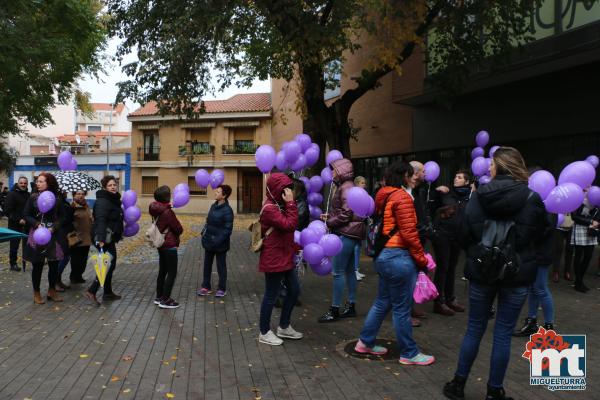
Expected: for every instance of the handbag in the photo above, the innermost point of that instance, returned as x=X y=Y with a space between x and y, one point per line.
x=154 y=236
x=425 y=290
x=73 y=239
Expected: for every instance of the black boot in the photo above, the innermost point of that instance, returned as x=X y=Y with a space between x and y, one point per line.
x=332 y=315
x=548 y=326
x=455 y=389
x=496 y=394
x=349 y=311
x=528 y=329
x=14 y=267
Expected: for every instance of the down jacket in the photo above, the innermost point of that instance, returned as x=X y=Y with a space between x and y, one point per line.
x=218 y=228
x=505 y=199
x=166 y=220
x=278 y=247
x=108 y=214
x=341 y=220
x=399 y=213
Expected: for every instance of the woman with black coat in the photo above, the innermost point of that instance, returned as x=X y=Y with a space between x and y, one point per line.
x=107 y=230
x=584 y=236
x=37 y=255
x=504 y=202
x=215 y=240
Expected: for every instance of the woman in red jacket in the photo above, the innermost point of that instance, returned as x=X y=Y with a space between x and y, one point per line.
x=397 y=266
x=167 y=223
x=278 y=219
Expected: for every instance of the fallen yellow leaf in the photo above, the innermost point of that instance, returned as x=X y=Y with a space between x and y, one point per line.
x=115 y=378
x=170 y=396
x=126 y=390
x=83 y=356
x=173 y=357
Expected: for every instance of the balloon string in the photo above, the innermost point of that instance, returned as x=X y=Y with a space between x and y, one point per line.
x=329 y=197
x=428 y=189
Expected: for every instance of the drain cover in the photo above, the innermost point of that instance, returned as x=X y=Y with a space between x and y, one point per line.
x=392 y=353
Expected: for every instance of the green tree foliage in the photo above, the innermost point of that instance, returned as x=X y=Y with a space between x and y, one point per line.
x=45 y=45
x=181 y=42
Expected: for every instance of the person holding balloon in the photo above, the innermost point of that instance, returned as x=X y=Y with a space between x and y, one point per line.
x=43 y=215
x=107 y=231
x=351 y=228
x=584 y=237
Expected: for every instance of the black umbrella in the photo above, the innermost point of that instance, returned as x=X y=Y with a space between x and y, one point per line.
x=72 y=181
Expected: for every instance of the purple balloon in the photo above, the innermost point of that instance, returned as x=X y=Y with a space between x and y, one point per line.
x=432 y=171
x=64 y=160
x=593 y=160
x=315 y=212
x=132 y=214
x=46 y=201
x=181 y=187
x=477 y=152
x=542 y=182
x=202 y=178
x=479 y=166
x=564 y=198
x=312 y=253
x=131 y=229
x=180 y=199
x=312 y=155
x=315 y=199
x=299 y=164
x=581 y=173
x=482 y=138
x=484 y=180
x=326 y=175
x=316 y=184
x=304 y=141
x=280 y=161
x=358 y=201
x=371 y=206
x=332 y=156
x=323 y=268
x=306 y=183
x=216 y=178
x=41 y=236
x=561 y=220
x=493 y=150
x=297 y=238
x=129 y=198
x=318 y=226
x=265 y=158
x=331 y=245
x=73 y=164
x=292 y=151
x=593 y=196
x=308 y=236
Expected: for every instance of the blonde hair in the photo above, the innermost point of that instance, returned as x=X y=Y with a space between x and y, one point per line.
x=359 y=179
x=509 y=161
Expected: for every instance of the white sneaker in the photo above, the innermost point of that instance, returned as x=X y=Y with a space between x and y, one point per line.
x=359 y=276
x=289 y=333
x=270 y=339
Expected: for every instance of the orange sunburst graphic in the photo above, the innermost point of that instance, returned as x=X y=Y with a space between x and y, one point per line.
x=545 y=339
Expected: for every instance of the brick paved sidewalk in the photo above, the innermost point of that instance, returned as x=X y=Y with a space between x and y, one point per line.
x=208 y=348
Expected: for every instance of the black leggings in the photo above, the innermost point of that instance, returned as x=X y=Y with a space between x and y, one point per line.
x=167 y=271
x=446 y=254
x=36 y=274
x=583 y=255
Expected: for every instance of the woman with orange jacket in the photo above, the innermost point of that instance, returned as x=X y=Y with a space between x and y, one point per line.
x=397 y=266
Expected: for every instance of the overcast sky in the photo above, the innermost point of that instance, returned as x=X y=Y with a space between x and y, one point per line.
x=105 y=91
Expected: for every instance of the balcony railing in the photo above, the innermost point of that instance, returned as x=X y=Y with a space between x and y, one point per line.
x=196 y=148
x=148 y=153
x=239 y=149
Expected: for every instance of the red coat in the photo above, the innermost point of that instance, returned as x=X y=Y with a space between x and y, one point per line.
x=166 y=219
x=278 y=249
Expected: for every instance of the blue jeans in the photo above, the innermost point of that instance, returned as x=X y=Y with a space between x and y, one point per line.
x=481 y=298
x=397 y=279
x=272 y=288
x=540 y=293
x=357 y=250
x=343 y=272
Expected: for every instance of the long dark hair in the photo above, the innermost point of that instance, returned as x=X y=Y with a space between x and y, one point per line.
x=398 y=173
x=51 y=182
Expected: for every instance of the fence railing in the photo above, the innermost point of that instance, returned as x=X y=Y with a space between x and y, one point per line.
x=148 y=153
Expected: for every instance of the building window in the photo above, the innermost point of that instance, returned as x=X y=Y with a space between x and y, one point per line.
x=94 y=128
x=194 y=188
x=150 y=150
x=149 y=184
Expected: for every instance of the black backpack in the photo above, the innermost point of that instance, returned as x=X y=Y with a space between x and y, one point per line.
x=497 y=256
x=376 y=239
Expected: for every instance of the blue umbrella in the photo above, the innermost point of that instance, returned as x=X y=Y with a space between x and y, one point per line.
x=8 y=234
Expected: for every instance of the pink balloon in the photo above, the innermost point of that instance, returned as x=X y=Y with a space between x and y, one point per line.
x=180 y=199
x=202 y=178
x=542 y=182
x=482 y=138
x=581 y=173
x=432 y=171
x=358 y=201
x=333 y=155
x=564 y=198
x=216 y=178
x=326 y=175
x=316 y=184
x=477 y=152
x=323 y=268
x=312 y=155
x=265 y=158
x=292 y=151
x=312 y=253
x=129 y=198
x=593 y=196
x=479 y=166
x=304 y=141
x=331 y=245
x=131 y=229
x=41 y=236
x=46 y=201
x=132 y=214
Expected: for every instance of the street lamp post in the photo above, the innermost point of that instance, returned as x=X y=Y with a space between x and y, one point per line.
x=108 y=140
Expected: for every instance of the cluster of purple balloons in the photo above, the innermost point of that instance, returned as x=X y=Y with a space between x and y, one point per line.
x=360 y=202
x=480 y=165
x=318 y=246
x=131 y=213
x=45 y=202
x=181 y=195
x=568 y=194
x=204 y=179
x=66 y=161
